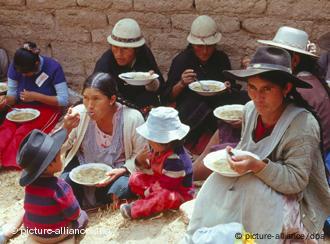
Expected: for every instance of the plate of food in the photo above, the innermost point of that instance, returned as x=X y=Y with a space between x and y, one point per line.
x=90 y=174
x=229 y=113
x=20 y=115
x=138 y=78
x=217 y=161
x=3 y=88
x=210 y=87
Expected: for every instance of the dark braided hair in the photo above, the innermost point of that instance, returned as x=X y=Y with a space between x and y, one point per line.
x=26 y=58
x=107 y=85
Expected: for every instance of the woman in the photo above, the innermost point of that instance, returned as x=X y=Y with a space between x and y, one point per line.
x=306 y=67
x=200 y=61
x=101 y=130
x=286 y=191
x=128 y=52
x=37 y=82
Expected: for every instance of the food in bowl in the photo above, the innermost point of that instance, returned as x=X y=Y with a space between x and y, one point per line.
x=90 y=175
x=231 y=114
x=223 y=166
x=3 y=88
x=22 y=116
x=210 y=88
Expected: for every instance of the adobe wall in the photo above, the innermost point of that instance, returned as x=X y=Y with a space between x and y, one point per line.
x=74 y=31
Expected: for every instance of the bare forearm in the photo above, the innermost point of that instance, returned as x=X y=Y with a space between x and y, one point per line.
x=177 y=89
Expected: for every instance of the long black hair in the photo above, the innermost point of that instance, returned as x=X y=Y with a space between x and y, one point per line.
x=26 y=58
x=107 y=85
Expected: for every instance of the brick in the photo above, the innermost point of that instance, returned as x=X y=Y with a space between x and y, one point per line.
x=100 y=35
x=122 y=5
x=225 y=23
x=97 y=4
x=168 y=41
x=12 y=2
x=73 y=66
x=163 y=5
x=30 y=19
x=81 y=18
x=72 y=34
x=51 y=4
x=269 y=26
x=183 y=21
x=233 y=6
x=151 y=20
x=76 y=82
x=300 y=9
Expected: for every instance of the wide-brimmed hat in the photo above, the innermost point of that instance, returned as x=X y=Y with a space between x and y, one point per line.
x=126 y=33
x=268 y=60
x=36 y=152
x=204 y=31
x=324 y=41
x=291 y=39
x=163 y=125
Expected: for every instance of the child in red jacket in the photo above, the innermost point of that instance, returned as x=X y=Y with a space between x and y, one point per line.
x=165 y=177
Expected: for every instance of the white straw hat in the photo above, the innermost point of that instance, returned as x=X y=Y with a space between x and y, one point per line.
x=126 y=33
x=204 y=31
x=291 y=39
x=163 y=125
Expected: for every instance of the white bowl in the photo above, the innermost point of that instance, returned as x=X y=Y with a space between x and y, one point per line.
x=229 y=113
x=138 y=78
x=214 y=86
x=3 y=88
x=12 y=116
x=217 y=162
x=73 y=173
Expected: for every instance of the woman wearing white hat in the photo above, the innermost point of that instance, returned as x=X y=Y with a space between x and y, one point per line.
x=200 y=61
x=305 y=66
x=128 y=52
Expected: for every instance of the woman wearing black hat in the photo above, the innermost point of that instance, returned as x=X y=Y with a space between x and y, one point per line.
x=285 y=191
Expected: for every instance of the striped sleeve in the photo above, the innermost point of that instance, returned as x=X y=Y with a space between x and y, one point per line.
x=67 y=201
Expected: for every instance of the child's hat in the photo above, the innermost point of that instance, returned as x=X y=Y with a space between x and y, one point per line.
x=163 y=125
x=36 y=152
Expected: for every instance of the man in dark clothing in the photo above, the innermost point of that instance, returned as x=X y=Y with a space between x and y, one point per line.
x=129 y=53
x=200 y=61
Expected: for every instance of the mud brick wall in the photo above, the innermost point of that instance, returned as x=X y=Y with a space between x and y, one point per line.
x=74 y=31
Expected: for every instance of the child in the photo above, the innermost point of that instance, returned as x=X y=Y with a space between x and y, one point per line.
x=51 y=210
x=167 y=182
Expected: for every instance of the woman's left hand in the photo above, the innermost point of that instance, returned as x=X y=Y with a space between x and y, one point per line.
x=28 y=96
x=242 y=164
x=112 y=176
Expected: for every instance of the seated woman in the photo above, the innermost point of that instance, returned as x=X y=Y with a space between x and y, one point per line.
x=200 y=61
x=128 y=52
x=101 y=130
x=306 y=67
x=37 y=82
x=285 y=192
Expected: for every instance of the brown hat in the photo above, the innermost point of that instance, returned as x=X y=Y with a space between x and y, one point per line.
x=324 y=41
x=268 y=59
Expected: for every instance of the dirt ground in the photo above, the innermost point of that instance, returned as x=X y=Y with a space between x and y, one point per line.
x=105 y=226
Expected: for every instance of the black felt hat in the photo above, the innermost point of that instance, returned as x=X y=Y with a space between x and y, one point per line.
x=36 y=152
